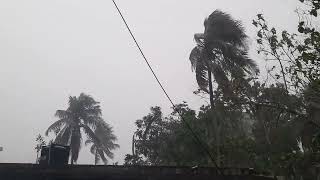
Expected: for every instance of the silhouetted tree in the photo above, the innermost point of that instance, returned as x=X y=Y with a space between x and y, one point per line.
x=105 y=145
x=221 y=52
x=83 y=113
x=40 y=142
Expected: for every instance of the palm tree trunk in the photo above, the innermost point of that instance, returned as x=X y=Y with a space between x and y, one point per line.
x=96 y=157
x=133 y=143
x=215 y=122
x=210 y=89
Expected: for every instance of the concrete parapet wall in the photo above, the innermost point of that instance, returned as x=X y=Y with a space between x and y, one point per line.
x=90 y=172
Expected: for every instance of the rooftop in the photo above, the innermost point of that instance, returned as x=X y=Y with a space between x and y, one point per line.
x=101 y=172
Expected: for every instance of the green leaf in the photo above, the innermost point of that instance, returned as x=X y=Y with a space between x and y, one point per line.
x=255 y=23
x=314 y=12
x=299 y=65
x=301 y=23
x=260 y=17
x=259 y=41
x=259 y=34
x=301 y=29
x=307 y=41
x=300 y=48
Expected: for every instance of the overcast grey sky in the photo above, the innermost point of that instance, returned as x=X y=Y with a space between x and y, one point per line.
x=51 y=49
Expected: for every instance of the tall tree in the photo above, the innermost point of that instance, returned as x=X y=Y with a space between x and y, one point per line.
x=221 y=53
x=105 y=145
x=150 y=135
x=82 y=115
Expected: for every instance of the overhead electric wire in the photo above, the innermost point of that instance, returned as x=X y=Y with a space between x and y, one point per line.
x=165 y=92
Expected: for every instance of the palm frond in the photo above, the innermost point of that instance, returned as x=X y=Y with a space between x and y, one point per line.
x=221 y=26
x=91 y=120
x=219 y=75
x=62 y=114
x=93 y=149
x=108 y=153
x=90 y=134
x=237 y=57
x=87 y=99
x=105 y=133
x=73 y=101
x=102 y=156
x=64 y=135
x=194 y=57
x=202 y=76
x=56 y=125
x=200 y=68
x=88 y=141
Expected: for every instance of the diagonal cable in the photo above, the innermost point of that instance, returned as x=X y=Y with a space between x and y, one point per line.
x=195 y=136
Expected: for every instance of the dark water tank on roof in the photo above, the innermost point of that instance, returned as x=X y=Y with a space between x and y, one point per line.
x=54 y=155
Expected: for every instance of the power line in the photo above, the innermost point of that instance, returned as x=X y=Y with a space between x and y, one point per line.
x=165 y=92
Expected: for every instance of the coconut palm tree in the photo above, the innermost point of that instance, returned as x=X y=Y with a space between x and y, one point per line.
x=221 y=56
x=221 y=53
x=82 y=115
x=105 y=145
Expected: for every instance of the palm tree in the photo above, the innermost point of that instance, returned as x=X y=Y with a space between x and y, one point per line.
x=221 y=53
x=105 y=145
x=82 y=115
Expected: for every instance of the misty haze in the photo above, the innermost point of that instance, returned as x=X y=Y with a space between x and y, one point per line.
x=217 y=84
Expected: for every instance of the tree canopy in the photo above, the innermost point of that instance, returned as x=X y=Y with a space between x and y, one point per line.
x=83 y=116
x=268 y=122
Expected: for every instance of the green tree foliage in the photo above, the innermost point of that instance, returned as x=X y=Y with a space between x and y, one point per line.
x=83 y=115
x=294 y=61
x=262 y=133
x=221 y=53
x=298 y=55
x=166 y=140
x=40 y=142
x=271 y=125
